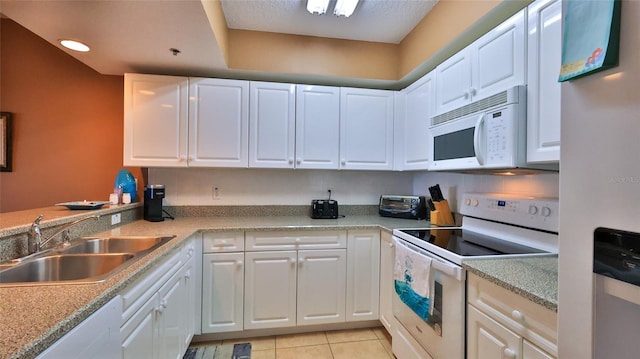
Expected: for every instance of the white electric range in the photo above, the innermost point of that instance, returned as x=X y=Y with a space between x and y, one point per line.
x=493 y=226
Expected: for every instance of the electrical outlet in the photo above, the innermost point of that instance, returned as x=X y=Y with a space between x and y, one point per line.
x=215 y=192
x=115 y=218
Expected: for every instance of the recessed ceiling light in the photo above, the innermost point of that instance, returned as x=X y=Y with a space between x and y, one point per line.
x=74 y=45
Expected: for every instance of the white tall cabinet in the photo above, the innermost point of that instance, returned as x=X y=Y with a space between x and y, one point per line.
x=492 y=63
x=155 y=120
x=366 y=129
x=218 y=123
x=543 y=90
x=317 y=127
x=414 y=107
x=272 y=125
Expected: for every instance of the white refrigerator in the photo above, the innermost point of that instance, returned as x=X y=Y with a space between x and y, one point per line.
x=599 y=187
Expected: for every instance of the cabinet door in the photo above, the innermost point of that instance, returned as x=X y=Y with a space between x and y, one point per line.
x=172 y=317
x=530 y=351
x=499 y=58
x=487 y=338
x=218 y=123
x=191 y=301
x=271 y=125
x=270 y=289
x=453 y=82
x=321 y=286
x=96 y=337
x=317 y=127
x=222 y=292
x=543 y=88
x=139 y=333
x=366 y=129
x=387 y=258
x=155 y=120
x=363 y=271
x=414 y=108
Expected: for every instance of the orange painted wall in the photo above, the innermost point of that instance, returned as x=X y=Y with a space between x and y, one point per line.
x=68 y=124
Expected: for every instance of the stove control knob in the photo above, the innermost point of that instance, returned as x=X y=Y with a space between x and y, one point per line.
x=474 y=202
x=533 y=209
x=467 y=202
x=546 y=212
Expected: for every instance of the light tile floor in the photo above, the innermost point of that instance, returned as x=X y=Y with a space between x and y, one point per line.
x=368 y=343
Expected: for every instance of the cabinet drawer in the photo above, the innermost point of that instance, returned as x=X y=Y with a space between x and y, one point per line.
x=522 y=316
x=214 y=242
x=287 y=240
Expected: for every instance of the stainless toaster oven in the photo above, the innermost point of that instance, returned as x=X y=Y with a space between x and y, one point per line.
x=410 y=207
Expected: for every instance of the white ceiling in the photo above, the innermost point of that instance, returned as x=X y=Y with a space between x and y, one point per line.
x=136 y=35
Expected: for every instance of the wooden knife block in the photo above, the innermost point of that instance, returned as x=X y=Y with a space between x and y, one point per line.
x=442 y=215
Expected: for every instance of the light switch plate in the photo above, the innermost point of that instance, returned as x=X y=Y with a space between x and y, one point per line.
x=115 y=218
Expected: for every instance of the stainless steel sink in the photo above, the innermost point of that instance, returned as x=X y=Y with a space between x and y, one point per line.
x=89 y=260
x=128 y=244
x=65 y=267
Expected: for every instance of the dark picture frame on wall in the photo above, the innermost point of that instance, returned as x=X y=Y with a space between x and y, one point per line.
x=5 y=141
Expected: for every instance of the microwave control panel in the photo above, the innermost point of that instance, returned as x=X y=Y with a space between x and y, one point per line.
x=498 y=130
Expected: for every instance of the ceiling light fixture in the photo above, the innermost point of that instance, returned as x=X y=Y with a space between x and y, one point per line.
x=317 y=7
x=74 y=45
x=345 y=7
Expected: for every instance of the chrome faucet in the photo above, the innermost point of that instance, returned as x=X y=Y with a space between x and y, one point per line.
x=35 y=242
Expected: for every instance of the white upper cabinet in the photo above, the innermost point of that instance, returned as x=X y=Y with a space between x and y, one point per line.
x=414 y=106
x=155 y=120
x=317 y=127
x=543 y=90
x=491 y=64
x=218 y=123
x=272 y=125
x=366 y=129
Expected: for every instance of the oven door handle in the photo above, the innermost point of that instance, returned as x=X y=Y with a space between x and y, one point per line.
x=437 y=263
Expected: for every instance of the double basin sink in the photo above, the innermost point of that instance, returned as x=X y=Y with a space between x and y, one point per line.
x=89 y=260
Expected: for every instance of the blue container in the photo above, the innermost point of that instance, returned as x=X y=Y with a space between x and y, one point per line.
x=127 y=182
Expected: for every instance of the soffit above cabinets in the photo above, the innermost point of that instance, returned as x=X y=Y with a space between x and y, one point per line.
x=136 y=36
x=386 y=21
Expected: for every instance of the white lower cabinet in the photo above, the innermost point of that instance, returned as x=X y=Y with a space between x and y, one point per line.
x=502 y=324
x=270 y=289
x=363 y=275
x=387 y=257
x=321 y=286
x=96 y=337
x=487 y=338
x=157 y=310
x=222 y=281
x=222 y=292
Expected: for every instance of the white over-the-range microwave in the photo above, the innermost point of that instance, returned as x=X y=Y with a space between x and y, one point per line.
x=489 y=134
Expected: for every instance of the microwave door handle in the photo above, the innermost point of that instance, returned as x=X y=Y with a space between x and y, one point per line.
x=476 y=140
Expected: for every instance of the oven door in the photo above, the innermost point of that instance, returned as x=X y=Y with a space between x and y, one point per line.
x=443 y=335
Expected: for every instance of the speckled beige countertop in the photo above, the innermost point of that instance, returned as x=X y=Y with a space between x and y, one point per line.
x=535 y=278
x=35 y=317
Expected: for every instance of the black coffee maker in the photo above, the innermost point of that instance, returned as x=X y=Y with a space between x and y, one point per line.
x=153 y=195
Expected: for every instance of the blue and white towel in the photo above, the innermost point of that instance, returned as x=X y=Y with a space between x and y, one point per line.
x=411 y=279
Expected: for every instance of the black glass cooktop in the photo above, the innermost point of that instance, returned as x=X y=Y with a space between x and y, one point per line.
x=467 y=243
